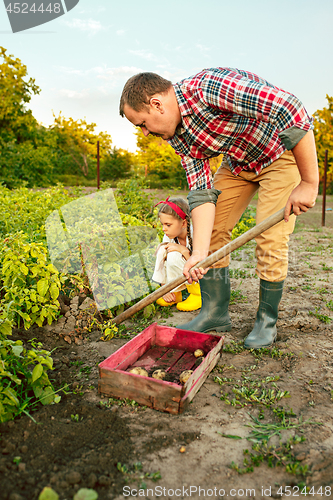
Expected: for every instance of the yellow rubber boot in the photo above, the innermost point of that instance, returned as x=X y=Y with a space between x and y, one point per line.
x=193 y=301
x=162 y=302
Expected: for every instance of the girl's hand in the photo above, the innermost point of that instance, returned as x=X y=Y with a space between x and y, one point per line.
x=175 y=247
x=169 y=297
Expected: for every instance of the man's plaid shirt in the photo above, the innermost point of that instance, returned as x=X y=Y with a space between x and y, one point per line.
x=237 y=113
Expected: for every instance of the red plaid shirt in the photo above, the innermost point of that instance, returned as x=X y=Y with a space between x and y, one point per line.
x=234 y=112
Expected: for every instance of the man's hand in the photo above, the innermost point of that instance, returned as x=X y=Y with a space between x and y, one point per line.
x=301 y=199
x=196 y=274
x=203 y=222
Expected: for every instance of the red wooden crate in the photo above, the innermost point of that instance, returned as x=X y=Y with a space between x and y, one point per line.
x=160 y=347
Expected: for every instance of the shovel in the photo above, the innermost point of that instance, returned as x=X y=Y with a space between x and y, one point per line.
x=207 y=262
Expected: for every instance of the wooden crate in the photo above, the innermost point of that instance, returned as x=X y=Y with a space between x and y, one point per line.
x=160 y=347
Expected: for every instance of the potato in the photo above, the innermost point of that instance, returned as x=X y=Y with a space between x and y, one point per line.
x=198 y=353
x=137 y=370
x=185 y=375
x=159 y=374
x=199 y=361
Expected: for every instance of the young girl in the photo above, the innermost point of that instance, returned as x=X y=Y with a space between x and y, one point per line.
x=172 y=253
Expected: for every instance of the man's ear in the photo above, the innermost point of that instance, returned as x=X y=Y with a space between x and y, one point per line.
x=156 y=103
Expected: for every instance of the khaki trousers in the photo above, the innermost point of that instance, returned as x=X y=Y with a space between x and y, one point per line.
x=274 y=185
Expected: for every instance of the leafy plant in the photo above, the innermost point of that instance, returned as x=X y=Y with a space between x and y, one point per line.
x=251 y=391
x=322 y=317
x=264 y=431
x=135 y=473
x=23 y=378
x=274 y=456
x=245 y=223
x=30 y=283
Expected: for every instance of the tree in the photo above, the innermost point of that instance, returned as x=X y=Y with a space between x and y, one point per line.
x=77 y=140
x=16 y=121
x=323 y=130
x=26 y=148
x=117 y=164
x=159 y=161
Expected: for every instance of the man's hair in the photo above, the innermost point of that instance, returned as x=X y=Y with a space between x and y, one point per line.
x=140 y=88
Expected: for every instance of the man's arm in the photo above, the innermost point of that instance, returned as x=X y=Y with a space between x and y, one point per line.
x=304 y=195
x=203 y=222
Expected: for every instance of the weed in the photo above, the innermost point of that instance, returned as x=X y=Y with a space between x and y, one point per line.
x=329 y=305
x=135 y=473
x=306 y=287
x=76 y=418
x=239 y=273
x=237 y=296
x=249 y=391
x=264 y=431
x=281 y=455
x=122 y=402
x=76 y=363
x=86 y=370
x=273 y=352
x=274 y=456
x=234 y=347
x=78 y=390
x=322 y=317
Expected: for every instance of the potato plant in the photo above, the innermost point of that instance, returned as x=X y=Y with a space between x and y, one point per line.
x=31 y=284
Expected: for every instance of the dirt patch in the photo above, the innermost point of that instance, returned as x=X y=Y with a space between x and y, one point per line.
x=79 y=442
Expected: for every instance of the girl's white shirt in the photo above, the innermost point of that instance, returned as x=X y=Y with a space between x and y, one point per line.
x=161 y=274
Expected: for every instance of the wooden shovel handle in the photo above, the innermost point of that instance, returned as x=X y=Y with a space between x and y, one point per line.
x=207 y=262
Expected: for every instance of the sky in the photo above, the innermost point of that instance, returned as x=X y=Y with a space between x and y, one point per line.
x=82 y=59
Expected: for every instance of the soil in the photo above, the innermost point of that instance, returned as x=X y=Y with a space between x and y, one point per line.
x=78 y=442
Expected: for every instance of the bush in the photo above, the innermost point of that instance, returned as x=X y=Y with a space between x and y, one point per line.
x=23 y=378
x=30 y=284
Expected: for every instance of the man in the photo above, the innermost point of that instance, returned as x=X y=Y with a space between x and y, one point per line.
x=266 y=137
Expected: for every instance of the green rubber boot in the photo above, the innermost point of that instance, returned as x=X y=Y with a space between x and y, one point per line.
x=215 y=295
x=264 y=331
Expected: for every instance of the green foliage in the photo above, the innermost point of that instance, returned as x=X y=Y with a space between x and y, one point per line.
x=322 y=317
x=274 y=456
x=16 y=122
x=237 y=296
x=26 y=165
x=135 y=473
x=23 y=378
x=245 y=223
x=76 y=142
x=30 y=284
x=159 y=163
x=248 y=391
x=26 y=210
x=117 y=164
x=264 y=431
x=134 y=201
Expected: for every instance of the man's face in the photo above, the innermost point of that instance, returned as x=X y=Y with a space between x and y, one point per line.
x=158 y=120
